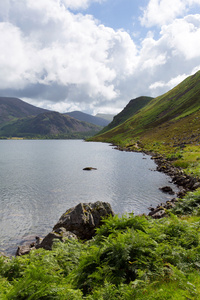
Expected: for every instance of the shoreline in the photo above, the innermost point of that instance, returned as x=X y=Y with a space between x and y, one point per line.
x=184 y=182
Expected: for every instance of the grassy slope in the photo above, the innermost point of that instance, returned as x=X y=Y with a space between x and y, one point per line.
x=130 y=110
x=165 y=111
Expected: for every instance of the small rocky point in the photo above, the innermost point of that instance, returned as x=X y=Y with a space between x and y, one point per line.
x=78 y=222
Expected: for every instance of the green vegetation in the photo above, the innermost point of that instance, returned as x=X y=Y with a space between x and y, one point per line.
x=132 y=257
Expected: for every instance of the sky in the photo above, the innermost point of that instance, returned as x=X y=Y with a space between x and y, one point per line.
x=96 y=55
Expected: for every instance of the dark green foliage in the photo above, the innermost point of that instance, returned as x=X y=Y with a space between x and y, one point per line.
x=130 y=257
x=128 y=254
x=111 y=224
x=189 y=205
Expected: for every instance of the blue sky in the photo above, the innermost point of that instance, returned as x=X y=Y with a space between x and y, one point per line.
x=96 y=55
x=118 y=14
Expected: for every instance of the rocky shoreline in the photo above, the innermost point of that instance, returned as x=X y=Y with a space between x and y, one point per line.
x=80 y=222
x=184 y=182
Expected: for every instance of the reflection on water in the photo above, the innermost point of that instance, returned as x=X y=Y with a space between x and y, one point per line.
x=39 y=180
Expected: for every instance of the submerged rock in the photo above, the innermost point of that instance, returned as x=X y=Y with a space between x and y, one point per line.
x=89 y=169
x=84 y=218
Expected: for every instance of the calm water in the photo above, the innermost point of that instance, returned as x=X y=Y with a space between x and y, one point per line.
x=40 y=180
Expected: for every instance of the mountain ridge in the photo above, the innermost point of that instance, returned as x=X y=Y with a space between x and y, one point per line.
x=166 y=120
x=21 y=119
x=51 y=124
x=129 y=110
x=11 y=107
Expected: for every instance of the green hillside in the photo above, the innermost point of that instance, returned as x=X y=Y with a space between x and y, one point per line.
x=129 y=111
x=172 y=118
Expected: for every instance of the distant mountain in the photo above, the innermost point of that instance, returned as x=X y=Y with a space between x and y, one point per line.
x=88 y=118
x=170 y=120
x=49 y=124
x=11 y=108
x=129 y=111
x=108 y=117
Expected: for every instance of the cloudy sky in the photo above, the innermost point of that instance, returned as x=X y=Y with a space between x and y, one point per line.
x=96 y=55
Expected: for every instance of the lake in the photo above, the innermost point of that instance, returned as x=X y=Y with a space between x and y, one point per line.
x=41 y=179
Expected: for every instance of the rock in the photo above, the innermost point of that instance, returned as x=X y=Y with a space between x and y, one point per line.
x=77 y=222
x=24 y=249
x=158 y=213
x=60 y=234
x=84 y=218
x=167 y=189
x=47 y=242
x=89 y=169
x=196 y=185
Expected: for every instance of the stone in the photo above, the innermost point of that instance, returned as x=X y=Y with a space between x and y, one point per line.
x=158 y=214
x=84 y=218
x=196 y=185
x=60 y=234
x=167 y=189
x=89 y=169
x=24 y=249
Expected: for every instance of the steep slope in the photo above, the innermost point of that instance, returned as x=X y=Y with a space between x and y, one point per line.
x=129 y=111
x=11 y=108
x=88 y=118
x=172 y=119
x=51 y=124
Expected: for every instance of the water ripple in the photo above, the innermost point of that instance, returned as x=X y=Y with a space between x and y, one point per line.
x=39 y=180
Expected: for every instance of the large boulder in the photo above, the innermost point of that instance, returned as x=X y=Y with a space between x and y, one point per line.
x=84 y=218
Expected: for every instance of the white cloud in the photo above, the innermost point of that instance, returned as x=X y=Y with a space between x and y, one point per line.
x=184 y=36
x=15 y=57
x=64 y=49
x=60 y=60
x=170 y=84
x=160 y=12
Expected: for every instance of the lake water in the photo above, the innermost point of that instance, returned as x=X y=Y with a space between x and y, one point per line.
x=41 y=179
